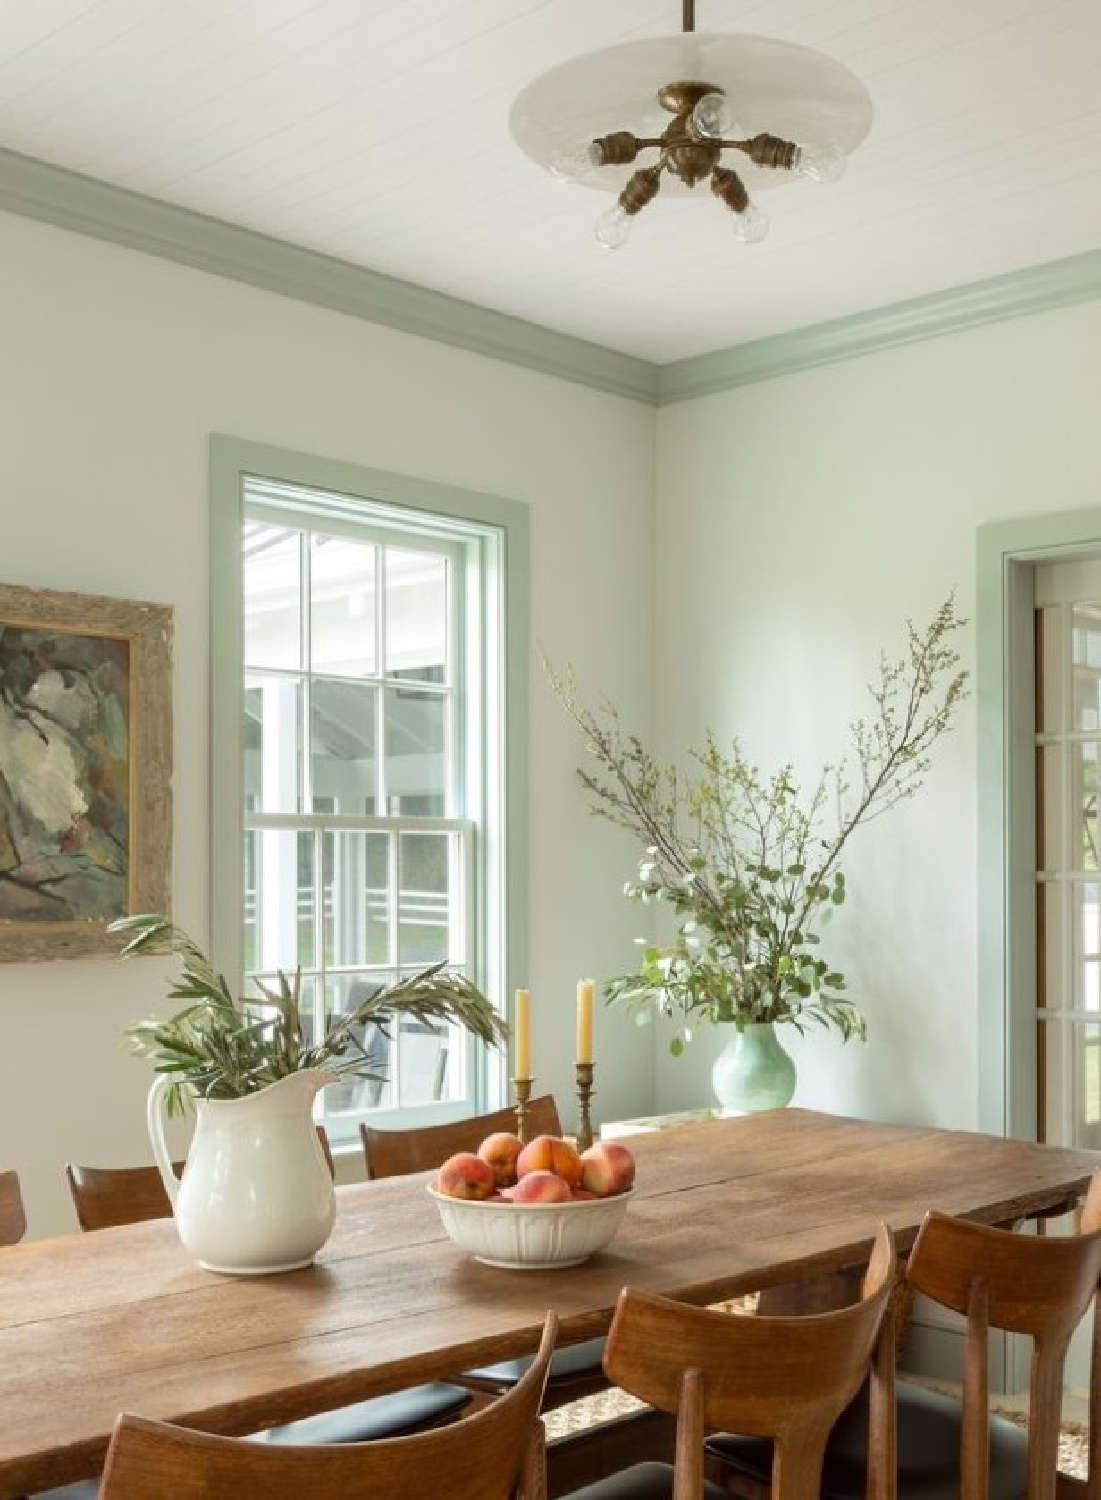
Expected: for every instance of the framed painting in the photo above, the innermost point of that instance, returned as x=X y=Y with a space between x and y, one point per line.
x=85 y=769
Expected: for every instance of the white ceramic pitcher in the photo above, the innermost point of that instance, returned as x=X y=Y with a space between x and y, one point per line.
x=256 y=1195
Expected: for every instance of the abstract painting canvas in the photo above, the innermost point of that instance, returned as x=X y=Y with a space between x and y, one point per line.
x=85 y=768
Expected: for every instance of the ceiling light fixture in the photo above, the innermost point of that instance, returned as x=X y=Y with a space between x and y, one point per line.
x=787 y=111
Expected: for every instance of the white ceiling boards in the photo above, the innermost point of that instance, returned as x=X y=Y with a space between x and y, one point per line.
x=376 y=132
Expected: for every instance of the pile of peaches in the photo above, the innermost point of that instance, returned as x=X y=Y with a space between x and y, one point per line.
x=546 y=1170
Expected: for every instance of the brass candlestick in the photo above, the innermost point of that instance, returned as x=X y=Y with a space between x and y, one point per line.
x=584 y=1094
x=521 y=1088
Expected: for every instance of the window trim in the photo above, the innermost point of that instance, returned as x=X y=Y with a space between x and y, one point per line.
x=231 y=461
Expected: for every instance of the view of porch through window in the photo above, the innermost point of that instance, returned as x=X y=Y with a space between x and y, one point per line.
x=358 y=844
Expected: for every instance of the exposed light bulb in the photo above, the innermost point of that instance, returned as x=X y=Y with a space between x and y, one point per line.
x=713 y=118
x=821 y=163
x=613 y=229
x=575 y=162
x=751 y=225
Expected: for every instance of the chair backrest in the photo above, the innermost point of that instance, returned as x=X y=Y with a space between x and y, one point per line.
x=13 y=1219
x=393 y=1153
x=497 y=1454
x=1037 y=1285
x=105 y=1197
x=785 y=1378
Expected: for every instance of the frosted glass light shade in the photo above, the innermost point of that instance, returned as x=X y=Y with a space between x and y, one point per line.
x=789 y=91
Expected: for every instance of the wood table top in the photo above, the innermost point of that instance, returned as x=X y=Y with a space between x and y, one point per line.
x=124 y=1320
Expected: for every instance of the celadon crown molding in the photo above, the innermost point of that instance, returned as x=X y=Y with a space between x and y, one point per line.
x=1059 y=283
x=69 y=200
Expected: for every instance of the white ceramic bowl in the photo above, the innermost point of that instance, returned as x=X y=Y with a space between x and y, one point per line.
x=531 y=1236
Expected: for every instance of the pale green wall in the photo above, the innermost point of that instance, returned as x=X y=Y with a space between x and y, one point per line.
x=796 y=523
x=116 y=368
x=799 y=522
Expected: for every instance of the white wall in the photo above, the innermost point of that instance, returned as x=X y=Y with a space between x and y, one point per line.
x=799 y=523
x=116 y=367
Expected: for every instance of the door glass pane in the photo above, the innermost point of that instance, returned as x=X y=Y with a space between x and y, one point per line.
x=1085 y=805
x=424 y=899
x=1086 y=1052
x=272 y=589
x=342 y=746
x=1086 y=632
x=416 y=615
x=1051 y=853
x=355 y=880
x=286 y=908
x=342 y=607
x=272 y=737
x=1087 y=952
x=416 y=753
x=1072 y=1066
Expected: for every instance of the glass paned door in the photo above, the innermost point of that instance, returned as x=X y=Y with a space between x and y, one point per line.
x=1068 y=877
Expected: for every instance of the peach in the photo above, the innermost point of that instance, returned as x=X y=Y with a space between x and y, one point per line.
x=541 y=1187
x=607 y=1168
x=465 y=1175
x=500 y=1150
x=549 y=1153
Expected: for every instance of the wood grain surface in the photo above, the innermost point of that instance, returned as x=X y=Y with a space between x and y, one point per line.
x=123 y=1320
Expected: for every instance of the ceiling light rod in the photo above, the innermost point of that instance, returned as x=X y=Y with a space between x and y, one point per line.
x=691 y=147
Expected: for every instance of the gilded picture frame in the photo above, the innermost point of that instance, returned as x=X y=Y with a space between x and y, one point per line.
x=85 y=769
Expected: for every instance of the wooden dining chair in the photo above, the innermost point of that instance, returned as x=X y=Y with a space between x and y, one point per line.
x=13 y=1218
x=1037 y=1286
x=497 y=1453
x=786 y=1379
x=396 y=1153
x=106 y=1197
x=576 y=1369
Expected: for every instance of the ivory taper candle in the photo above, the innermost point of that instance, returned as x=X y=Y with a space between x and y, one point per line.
x=523 y=1034
x=586 y=991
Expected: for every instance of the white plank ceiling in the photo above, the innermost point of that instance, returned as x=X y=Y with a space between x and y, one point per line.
x=377 y=131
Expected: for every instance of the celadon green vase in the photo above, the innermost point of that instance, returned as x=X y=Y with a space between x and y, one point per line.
x=753 y=1072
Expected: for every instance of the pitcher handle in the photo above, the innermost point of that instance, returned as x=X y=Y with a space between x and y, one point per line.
x=154 y=1118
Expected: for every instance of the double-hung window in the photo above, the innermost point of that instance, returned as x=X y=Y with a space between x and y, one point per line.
x=367 y=773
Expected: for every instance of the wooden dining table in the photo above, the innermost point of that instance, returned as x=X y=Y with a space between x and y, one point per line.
x=123 y=1320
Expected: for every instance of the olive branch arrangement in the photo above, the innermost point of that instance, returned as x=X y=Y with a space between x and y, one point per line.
x=750 y=864
x=225 y=1048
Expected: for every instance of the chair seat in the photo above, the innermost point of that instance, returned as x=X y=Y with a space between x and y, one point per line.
x=395 y=1415
x=928 y=1440
x=650 y=1481
x=572 y=1362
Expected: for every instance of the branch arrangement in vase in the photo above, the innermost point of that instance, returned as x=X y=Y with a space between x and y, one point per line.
x=222 y=1047
x=750 y=864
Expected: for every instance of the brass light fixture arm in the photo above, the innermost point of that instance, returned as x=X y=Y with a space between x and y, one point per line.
x=763 y=150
